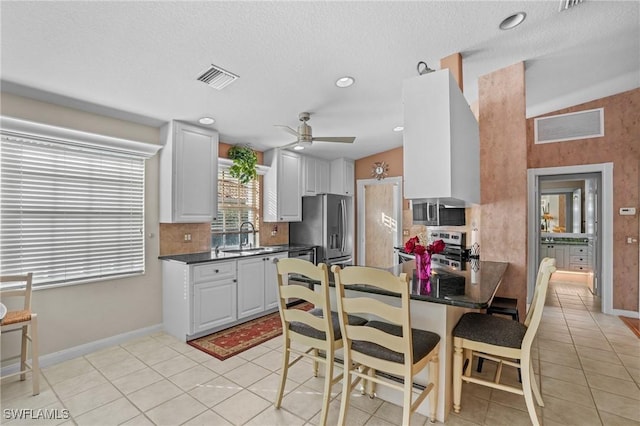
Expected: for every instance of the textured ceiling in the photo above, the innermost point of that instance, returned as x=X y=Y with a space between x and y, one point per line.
x=139 y=60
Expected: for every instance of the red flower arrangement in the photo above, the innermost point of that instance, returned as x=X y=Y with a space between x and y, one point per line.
x=413 y=246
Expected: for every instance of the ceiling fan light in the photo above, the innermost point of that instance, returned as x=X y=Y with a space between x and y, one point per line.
x=398 y=128
x=345 y=81
x=298 y=147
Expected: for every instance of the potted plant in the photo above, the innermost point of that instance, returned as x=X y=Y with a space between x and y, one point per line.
x=244 y=163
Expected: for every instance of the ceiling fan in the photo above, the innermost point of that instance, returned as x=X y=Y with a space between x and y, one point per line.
x=304 y=134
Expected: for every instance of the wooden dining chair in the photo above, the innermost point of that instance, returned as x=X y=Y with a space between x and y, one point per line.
x=23 y=320
x=503 y=340
x=386 y=343
x=316 y=330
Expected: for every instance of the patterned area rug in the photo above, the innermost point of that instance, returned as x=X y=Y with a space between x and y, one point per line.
x=633 y=324
x=227 y=343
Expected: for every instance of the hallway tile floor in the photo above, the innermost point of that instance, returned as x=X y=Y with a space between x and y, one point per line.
x=588 y=365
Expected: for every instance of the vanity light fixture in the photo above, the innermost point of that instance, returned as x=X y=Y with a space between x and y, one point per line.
x=206 y=120
x=398 y=128
x=513 y=21
x=345 y=81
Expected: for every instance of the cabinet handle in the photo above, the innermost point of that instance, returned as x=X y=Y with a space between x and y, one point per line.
x=217 y=270
x=235 y=281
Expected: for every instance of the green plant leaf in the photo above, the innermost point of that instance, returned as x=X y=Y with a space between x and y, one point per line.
x=244 y=163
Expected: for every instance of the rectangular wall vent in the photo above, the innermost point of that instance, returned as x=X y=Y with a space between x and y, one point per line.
x=567 y=127
x=217 y=77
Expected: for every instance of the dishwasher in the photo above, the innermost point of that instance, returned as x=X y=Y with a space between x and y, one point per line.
x=305 y=254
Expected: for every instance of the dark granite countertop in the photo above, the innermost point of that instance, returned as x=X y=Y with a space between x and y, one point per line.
x=211 y=256
x=470 y=289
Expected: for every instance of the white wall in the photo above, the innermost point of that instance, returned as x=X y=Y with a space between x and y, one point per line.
x=74 y=315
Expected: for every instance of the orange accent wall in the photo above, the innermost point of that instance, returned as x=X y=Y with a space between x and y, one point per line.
x=621 y=146
x=503 y=176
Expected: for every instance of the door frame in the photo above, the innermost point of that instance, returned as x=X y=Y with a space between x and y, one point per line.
x=606 y=226
x=397 y=180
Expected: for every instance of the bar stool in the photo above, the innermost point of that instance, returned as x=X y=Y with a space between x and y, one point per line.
x=502 y=306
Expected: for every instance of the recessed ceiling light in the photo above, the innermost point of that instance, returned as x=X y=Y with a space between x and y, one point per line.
x=206 y=120
x=298 y=147
x=345 y=81
x=398 y=129
x=513 y=21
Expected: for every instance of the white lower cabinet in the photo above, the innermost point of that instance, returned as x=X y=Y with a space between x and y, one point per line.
x=271 y=281
x=207 y=297
x=257 y=284
x=214 y=295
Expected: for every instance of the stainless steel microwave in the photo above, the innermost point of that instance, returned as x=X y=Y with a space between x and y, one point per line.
x=430 y=213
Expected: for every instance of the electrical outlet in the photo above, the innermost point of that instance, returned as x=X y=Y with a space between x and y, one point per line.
x=187 y=237
x=405 y=232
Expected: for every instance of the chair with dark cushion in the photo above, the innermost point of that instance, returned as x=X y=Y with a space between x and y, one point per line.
x=386 y=343
x=502 y=306
x=503 y=340
x=317 y=329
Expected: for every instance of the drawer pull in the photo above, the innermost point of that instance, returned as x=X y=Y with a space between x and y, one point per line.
x=217 y=270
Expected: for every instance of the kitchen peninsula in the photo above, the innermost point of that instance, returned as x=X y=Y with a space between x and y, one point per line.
x=436 y=305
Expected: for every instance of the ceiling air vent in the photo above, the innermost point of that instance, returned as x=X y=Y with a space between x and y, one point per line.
x=216 y=77
x=571 y=126
x=568 y=4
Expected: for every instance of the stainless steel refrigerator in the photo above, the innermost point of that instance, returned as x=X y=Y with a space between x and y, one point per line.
x=327 y=222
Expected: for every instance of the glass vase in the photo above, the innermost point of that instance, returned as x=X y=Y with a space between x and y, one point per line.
x=423 y=265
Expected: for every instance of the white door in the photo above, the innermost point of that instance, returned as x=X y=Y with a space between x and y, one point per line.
x=379 y=221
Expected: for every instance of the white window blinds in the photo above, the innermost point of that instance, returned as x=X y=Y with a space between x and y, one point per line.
x=69 y=213
x=237 y=203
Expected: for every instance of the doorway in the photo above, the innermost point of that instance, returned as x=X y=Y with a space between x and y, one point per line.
x=571 y=219
x=379 y=220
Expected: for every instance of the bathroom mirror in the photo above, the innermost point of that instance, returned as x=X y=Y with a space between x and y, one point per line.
x=564 y=206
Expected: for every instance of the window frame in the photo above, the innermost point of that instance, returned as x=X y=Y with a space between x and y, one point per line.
x=76 y=140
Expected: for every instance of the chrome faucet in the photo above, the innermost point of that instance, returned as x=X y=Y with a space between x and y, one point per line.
x=253 y=229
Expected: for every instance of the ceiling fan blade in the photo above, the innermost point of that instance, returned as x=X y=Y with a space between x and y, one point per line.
x=287 y=129
x=336 y=139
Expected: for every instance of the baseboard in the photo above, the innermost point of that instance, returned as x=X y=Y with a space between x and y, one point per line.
x=623 y=313
x=86 y=348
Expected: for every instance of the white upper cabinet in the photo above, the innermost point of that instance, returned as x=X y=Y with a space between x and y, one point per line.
x=315 y=176
x=282 y=191
x=342 y=177
x=441 y=141
x=188 y=173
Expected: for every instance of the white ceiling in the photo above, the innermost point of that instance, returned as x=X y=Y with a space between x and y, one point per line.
x=140 y=60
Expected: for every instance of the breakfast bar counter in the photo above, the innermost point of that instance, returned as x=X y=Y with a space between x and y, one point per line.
x=436 y=305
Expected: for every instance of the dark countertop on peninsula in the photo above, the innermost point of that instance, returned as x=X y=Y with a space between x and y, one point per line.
x=211 y=256
x=470 y=289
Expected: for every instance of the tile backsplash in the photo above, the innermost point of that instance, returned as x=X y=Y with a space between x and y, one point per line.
x=172 y=238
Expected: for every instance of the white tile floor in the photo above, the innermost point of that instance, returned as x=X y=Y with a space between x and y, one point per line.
x=589 y=368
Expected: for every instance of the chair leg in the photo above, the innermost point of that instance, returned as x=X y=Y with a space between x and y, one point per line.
x=457 y=378
x=434 y=376
x=534 y=386
x=284 y=372
x=328 y=378
x=370 y=384
x=346 y=390
x=35 y=362
x=406 y=400
x=315 y=363
x=480 y=362
x=526 y=389
x=468 y=355
x=23 y=352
